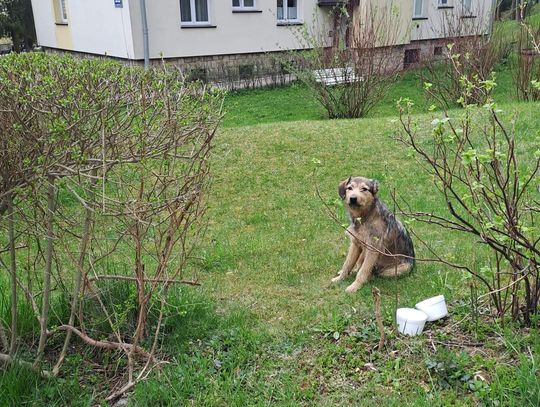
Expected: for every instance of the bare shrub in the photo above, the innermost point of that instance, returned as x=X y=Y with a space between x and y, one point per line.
x=101 y=164
x=350 y=75
x=470 y=56
x=528 y=63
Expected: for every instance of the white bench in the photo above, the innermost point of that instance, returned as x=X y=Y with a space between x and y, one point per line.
x=334 y=76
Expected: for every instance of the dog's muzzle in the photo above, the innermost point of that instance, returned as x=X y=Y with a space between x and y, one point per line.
x=353 y=201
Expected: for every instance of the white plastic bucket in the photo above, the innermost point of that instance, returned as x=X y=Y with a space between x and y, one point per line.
x=434 y=307
x=410 y=321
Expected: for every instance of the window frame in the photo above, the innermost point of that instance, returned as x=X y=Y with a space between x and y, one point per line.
x=243 y=7
x=287 y=20
x=443 y=3
x=467 y=11
x=412 y=54
x=193 y=22
x=422 y=12
x=60 y=12
x=63 y=11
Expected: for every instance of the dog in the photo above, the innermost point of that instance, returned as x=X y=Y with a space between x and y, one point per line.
x=379 y=244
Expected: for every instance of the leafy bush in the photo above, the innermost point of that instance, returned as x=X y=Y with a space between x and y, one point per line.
x=103 y=169
x=490 y=190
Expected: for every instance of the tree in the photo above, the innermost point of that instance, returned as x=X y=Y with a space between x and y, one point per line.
x=17 y=21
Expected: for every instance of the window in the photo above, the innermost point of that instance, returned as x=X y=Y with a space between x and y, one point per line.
x=197 y=74
x=467 y=7
x=284 y=68
x=418 y=10
x=60 y=11
x=245 y=71
x=412 y=56
x=243 y=4
x=444 y=4
x=287 y=10
x=193 y=12
x=63 y=11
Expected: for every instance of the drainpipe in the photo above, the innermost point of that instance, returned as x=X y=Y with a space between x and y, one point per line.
x=145 y=34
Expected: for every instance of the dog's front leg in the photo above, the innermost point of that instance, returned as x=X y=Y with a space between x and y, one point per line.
x=359 y=262
x=370 y=259
x=350 y=261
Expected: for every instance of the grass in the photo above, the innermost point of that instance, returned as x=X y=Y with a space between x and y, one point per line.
x=288 y=337
x=267 y=327
x=296 y=102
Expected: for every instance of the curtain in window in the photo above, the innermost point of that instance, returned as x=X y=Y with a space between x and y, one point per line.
x=280 y=13
x=185 y=10
x=63 y=9
x=201 y=10
x=418 y=7
x=292 y=11
x=467 y=6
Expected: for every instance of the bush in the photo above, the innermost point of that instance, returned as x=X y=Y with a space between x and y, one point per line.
x=489 y=188
x=351 y=75
x=467 y=62
x=103 y=169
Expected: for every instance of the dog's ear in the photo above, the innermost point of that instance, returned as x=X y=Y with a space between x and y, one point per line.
x=343 y=187
x=374 y=186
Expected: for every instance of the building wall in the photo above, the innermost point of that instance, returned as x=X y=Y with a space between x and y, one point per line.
x=451 y=20
x=98 y=27
x=235 y=71
x=390 y=19
x=234 y=33
x=45 y=22
x=95 y=27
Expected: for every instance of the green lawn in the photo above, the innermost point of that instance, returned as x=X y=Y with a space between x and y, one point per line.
x=296 y=102
x=267 y=328
x=284 y=334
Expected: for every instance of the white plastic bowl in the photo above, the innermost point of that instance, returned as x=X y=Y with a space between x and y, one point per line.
x=410 y=321
x=434 y=307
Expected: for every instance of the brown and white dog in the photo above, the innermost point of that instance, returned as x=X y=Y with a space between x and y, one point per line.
x=380 y=245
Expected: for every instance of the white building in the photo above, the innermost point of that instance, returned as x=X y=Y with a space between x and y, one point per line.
x=206 y=33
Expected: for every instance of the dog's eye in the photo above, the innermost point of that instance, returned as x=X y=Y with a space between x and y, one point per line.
x=349 y=188
x=363 y=189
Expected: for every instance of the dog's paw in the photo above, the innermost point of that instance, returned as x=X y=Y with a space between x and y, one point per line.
x=352 y=288
x=337 y=279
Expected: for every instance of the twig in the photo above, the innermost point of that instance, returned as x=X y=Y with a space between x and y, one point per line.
x=105 y=344
x=146 y=280
x=460 y=344
x=377 y=301
x=17 y=247
x=8 y=359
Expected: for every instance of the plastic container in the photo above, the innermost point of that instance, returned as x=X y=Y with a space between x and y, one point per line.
x=410 y=321
x=434 y=307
